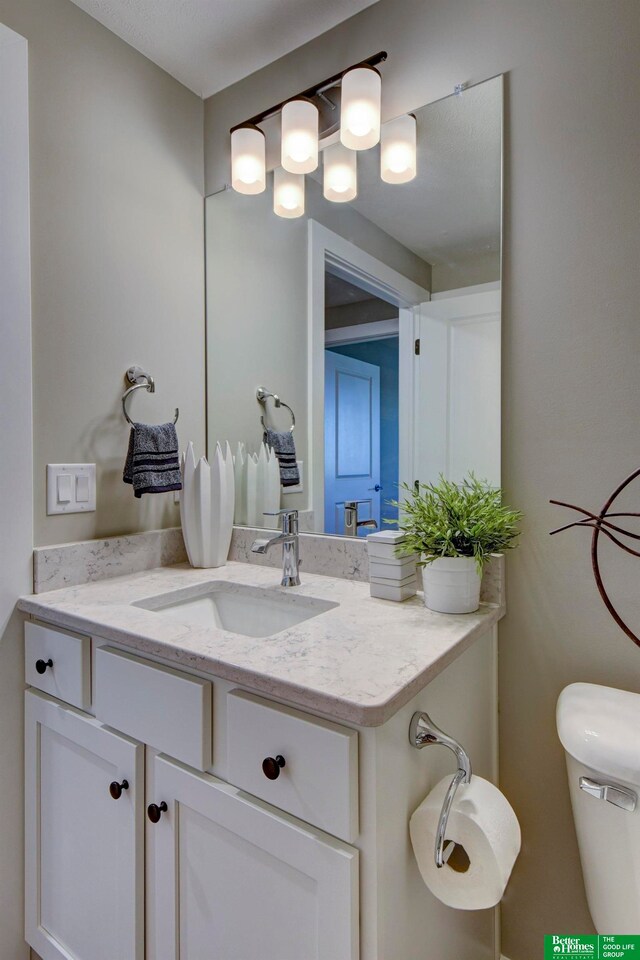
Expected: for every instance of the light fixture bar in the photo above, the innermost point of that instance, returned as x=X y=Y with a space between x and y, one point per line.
x=312 y=91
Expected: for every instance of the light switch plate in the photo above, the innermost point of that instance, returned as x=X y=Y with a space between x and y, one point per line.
x=71 y=488
x=299 y=487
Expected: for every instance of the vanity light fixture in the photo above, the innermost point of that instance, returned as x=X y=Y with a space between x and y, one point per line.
x=288 y=193
x=299 y=136
x=340 y=181
x=398 y=149
x=248 y=159
x=360 y=108
x=308 y=127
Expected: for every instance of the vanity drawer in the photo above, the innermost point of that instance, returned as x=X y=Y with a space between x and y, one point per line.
x=319 y=779
x=65 y=659
x=161 y=707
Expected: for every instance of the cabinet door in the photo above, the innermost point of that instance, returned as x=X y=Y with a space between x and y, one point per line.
x=236 y=880
x=84 y=849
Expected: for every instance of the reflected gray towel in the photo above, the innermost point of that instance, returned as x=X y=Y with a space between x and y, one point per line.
x=152 y=464
x=284 y=448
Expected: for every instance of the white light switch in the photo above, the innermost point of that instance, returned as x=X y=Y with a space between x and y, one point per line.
x=82 y=489
x=64 y=488
x=71 y=487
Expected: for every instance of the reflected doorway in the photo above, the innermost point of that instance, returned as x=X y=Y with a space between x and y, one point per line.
x=361 y=417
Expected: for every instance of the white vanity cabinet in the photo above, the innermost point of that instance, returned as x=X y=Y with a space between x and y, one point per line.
x=84 y=868
x=236 y=881
x=223 y=875
x=217 y=850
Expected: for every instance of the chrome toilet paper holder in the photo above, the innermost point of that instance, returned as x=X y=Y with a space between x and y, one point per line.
x=423 y=732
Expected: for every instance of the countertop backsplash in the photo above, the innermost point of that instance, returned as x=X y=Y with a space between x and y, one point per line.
x=87 y=561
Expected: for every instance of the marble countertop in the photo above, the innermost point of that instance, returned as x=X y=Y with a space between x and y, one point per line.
x=359 y=661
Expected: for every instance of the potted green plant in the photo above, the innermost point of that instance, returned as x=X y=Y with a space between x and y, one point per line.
x=455 y=527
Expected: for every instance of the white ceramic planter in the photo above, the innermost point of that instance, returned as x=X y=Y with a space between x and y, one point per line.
x=451 y=585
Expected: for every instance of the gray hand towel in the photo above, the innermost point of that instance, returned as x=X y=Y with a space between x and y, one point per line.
x=284 y=448
x=152 y=464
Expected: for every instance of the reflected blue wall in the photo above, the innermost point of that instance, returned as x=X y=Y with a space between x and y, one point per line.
x=384 y=354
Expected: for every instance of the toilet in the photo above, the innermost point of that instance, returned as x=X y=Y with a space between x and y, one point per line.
x=599 y=728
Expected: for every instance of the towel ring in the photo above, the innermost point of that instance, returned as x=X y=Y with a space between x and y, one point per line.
x=140 y=380
x=422 y=733
x=261 y=396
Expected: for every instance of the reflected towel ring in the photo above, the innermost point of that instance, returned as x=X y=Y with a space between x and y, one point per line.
x=140 y=380
x=261 y=396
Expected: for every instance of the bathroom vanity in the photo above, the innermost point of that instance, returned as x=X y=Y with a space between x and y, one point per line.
x=217 y=767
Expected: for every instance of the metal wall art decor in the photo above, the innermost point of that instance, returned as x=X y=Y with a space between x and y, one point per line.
x=601 y=523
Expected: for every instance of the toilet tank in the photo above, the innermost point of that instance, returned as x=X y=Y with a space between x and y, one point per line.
x=599 y=728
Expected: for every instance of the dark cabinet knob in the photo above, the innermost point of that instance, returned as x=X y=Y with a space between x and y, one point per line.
x=115 y=788
x=41 y=665
x=155 y=811
x=271 y=767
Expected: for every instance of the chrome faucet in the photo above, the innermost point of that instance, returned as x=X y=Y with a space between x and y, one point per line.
x=290 y=546
x=351 y=522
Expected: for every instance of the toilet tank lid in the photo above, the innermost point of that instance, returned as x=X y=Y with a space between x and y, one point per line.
x=600 y=727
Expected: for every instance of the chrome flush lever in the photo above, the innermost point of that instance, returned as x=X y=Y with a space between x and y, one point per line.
x=611 y=792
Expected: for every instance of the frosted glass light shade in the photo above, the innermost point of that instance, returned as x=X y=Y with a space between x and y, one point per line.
x=299 y=136
x=248 y=164
x=340 y=182
x=360 y=108
x=288 y=193
x=398 y=150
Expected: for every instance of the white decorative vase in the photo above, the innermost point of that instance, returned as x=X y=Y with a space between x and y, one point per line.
x=206 y=506
x=263 y=487
x=451 y=585
x=240 y=475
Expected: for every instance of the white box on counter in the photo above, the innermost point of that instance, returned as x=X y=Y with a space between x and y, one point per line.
x=383 y=592
x=392 y=570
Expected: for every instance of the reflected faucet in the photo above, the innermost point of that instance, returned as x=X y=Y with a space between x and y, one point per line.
x=351 y=522
x=290 y=546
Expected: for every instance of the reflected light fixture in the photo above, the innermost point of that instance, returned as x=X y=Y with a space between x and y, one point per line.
x=288 y=193
x=340 y=181
x=248 y=159
x=398 y=149
x=360 y=108
x=299 y=136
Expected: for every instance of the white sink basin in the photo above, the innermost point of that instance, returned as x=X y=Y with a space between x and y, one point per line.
x=250 y=611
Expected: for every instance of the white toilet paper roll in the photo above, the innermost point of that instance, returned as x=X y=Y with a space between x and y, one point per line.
x=483 y=822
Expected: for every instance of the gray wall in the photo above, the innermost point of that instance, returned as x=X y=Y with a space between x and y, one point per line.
x=16 y=506
x=466 y=273
x=571 y=345
x=117 y=267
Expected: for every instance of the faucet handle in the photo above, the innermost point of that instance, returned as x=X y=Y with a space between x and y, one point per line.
x=289 y=520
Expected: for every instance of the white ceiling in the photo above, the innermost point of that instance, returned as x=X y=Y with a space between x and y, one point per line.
x=210 y=44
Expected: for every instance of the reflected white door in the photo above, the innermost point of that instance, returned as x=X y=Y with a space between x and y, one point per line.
x=351 y=440
x=236 y=880
x=84 y=850
x=458 y=379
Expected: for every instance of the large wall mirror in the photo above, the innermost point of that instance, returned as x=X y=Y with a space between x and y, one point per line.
x=375 y=323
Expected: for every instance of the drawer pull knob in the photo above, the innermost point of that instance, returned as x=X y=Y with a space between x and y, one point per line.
x=41 y=665
x=271 y=767
x=115 y=788
x=155 y=811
